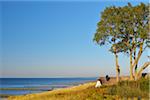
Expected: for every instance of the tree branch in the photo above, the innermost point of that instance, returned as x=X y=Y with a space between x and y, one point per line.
x=146 y=64
x=139 y=55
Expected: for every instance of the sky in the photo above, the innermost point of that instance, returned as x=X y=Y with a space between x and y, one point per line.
x=55 y=39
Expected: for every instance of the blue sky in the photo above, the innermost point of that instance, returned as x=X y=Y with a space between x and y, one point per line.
x=54 y=39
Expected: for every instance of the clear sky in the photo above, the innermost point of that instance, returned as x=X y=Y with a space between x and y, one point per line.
x=54 y=39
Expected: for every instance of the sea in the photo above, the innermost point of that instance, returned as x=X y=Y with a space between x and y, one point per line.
x=21 y=86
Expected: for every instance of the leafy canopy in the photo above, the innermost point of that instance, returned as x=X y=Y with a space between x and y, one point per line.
x=123 y=27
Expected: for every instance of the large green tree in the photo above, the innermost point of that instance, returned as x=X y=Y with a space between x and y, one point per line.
x=126 y=30
x=106 y=33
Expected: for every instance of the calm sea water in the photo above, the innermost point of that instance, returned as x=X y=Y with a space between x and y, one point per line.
x=39 y=84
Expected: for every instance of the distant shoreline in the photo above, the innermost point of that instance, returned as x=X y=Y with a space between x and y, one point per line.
x=41 y=89
x=5 y=96
x=66 y=89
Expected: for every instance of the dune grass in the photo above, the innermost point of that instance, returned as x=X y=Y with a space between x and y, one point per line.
x=130 y=89
x=122 y=90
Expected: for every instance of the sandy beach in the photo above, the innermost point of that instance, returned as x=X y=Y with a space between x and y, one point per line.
x=38 y=96
x=87 y=91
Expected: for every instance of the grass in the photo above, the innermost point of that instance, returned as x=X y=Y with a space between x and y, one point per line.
x=122 y=90
x=138 y=88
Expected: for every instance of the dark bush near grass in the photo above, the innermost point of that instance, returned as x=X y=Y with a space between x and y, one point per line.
x=138 y=88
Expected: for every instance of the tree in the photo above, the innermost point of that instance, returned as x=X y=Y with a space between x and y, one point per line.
x=126 y=30
x=106 y=34
x=137 y=30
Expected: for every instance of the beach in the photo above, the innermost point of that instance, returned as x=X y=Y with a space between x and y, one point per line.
x=24 y=86
x=39 y=96
x=78 y=50
x=87 y=91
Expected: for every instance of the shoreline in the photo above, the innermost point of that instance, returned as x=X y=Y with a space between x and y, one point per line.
x=64 y=88
x=87 y=90
x=6 y=96
x=55 y=91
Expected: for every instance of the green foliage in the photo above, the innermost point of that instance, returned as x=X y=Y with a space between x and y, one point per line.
x=123 y=27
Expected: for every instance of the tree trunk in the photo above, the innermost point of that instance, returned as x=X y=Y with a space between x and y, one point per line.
x=137 y=59
x=117 y=68
x=131 y=69
x=138 y=75
x=135 y=69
